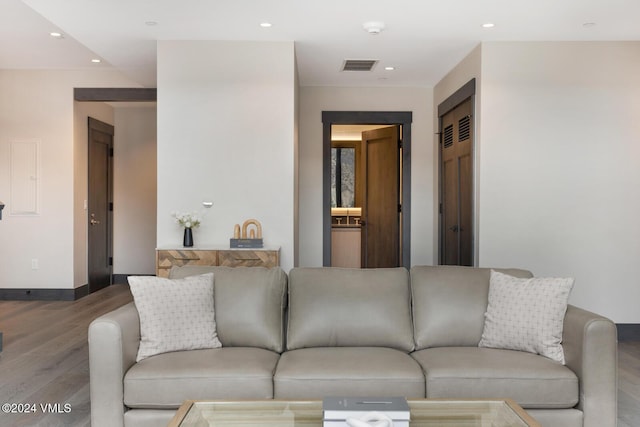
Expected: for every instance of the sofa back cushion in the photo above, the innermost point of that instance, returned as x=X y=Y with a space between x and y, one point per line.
x=249 y=304
x=449 y=303
x=344 y=307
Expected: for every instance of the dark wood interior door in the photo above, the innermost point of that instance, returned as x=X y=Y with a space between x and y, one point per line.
x=456 y=222
x=381 y=201
x=100 y=205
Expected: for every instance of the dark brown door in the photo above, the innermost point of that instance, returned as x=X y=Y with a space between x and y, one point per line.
x=457 y=186
x=100 y=204
x=381 y=202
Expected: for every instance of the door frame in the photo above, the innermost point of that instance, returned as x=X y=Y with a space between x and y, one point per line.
x=112 y=94
x=468 y=90
x=402 y=118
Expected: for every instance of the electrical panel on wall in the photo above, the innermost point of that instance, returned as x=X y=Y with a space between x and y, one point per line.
x=25 y=177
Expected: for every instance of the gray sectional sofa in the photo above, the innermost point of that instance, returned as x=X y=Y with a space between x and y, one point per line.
x=330 y=331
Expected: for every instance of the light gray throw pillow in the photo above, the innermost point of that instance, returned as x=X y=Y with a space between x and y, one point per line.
x=174 y=314
x=526 y=314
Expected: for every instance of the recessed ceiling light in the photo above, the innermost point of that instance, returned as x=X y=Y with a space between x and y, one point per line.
x=389 y=68
x=56 y=34
x=488 y=25
x=265 y=24
x=151 y=23
x=589 y=24
x=96 y=61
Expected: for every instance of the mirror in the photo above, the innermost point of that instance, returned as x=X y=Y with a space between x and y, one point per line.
x=343 y=175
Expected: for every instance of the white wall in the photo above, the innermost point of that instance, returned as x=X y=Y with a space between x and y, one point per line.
x=467 y=69
x=296 y=172
x=560 y=167
x=226 y=124
x=38 y=105
x=134 y=192
x=314 y=100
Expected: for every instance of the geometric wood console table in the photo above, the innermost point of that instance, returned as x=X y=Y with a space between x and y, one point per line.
x=223 y=256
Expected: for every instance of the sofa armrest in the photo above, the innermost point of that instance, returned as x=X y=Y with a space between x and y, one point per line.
x=113 y=345
x=591 y=351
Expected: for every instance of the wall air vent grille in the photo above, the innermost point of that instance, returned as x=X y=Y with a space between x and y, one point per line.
x=464 y=128
x=359 y=64
x=448 y=136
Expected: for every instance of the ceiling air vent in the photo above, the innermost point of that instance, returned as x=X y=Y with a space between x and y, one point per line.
x=359 y=64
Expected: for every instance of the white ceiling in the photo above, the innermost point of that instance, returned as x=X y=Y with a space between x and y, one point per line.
x=423 y=39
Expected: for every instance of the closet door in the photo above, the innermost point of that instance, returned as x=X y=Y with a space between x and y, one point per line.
x=456 y=181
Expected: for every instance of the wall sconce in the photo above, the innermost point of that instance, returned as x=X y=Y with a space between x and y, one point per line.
x=1 y=207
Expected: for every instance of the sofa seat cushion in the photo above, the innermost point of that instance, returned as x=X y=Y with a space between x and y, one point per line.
x=167 y=380
x=483 y=373
x=313 y=373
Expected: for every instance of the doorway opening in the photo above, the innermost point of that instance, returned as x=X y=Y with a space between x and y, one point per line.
x=99 y=203
x=366 y=189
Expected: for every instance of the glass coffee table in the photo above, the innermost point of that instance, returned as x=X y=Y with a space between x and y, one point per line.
x=298 y=413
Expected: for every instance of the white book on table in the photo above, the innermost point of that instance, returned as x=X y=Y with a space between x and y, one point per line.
x=341 y=408
x=326 y=423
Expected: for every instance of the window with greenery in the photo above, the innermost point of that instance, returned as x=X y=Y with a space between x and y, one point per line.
x=343 y=177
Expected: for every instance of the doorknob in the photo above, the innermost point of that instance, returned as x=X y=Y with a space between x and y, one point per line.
x=93 y=220
x=454 y=228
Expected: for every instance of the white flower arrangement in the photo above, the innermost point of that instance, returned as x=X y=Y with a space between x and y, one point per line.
x=187 y=219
